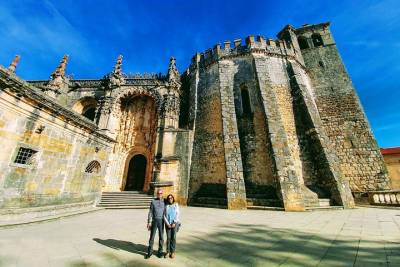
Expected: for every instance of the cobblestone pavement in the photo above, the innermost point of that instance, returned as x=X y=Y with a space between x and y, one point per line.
x=211 y=237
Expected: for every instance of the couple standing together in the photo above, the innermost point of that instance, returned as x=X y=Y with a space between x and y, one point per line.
x=163 y=213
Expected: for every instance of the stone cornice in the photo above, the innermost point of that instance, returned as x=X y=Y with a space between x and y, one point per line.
x=93 y=83
x=308 y=27
x=19 y=88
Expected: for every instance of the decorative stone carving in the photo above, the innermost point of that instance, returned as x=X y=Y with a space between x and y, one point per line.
x=137 y=90
x=171 y=104
x=57 y=78
x=173 y=74
x=116 y=77
x=14 y=63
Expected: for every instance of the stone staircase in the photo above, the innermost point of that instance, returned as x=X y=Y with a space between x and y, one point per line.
x=210 y=202
x=210 y=195
x=262 y=197
x=324 y=204
x=125 y=200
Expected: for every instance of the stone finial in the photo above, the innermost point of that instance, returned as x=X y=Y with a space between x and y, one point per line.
x=118 y=66
x=116 y=77
x=57 y=78
x=173 y=73
x=60 y=70
x=14 y=63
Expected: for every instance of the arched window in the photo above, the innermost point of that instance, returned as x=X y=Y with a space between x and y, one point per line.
x=317 y=40
x=246 y=106
x=90 y=113
x=303 y=43
x=93 y=167
x=86 y=106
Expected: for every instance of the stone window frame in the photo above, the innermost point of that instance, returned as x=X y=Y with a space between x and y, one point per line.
x=83 y=104
x=303 y=42
x=250 y=111
x=35 y=161
x=317 y=40
x=91 y=162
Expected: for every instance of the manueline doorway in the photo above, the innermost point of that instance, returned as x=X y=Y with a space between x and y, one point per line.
x=136 y=173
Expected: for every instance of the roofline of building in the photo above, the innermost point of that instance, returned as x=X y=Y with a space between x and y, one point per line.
x=390 y=150
x=13 y=83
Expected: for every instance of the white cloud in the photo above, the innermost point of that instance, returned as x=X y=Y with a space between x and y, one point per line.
x=45 y=36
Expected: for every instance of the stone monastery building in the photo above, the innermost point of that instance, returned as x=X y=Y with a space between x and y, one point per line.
x=265 y=122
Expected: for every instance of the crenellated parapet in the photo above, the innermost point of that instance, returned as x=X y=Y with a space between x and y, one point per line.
x=236 y=48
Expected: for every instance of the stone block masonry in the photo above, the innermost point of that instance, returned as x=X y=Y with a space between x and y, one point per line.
x=236 y=194
x=265 y=122
x=44 y=160
x=305 y=130
x=341 y=113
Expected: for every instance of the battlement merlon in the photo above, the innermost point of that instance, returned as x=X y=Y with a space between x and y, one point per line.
x=253 y=44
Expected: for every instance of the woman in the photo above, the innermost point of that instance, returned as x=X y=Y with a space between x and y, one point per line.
x=171 y=219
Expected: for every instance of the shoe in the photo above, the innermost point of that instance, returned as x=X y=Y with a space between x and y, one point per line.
x=148 y=255
x=165 y=255
x=160 y=254
x=172 y=255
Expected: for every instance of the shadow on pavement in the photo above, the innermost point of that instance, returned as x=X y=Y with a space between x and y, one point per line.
x=123 y=245
x=259 y=245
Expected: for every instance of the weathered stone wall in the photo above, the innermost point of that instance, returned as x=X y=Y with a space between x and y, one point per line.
x=342 y=115
x=275 y=94
x=181 y=151
x=208 y=168
x=236 y=194
x=253 y=133
x=57 y=173
x=299 y=136
x=320 y=162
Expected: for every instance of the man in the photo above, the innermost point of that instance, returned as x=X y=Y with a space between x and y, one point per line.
x=155 y=221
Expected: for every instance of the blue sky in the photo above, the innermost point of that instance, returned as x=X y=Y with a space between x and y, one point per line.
x=148 y=32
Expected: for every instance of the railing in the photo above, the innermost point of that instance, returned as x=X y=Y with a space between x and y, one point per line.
x=390 y=198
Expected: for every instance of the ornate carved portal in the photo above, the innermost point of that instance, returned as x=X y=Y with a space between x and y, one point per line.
x=137 y=135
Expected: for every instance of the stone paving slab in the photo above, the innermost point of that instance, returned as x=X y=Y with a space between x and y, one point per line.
x=7 y=223
x=211 y=237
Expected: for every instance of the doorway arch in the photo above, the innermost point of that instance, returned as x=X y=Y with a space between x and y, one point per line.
x=136 y=174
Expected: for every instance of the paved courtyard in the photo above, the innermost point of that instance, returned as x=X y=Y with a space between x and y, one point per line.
x=211 y=237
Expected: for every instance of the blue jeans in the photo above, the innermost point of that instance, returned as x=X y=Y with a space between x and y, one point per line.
x=171 y=239
x=156 y=224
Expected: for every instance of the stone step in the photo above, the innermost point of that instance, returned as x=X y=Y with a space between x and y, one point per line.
x=324 y=208
x=125 y=200
x=207 y=205
x=116 y=197
x=126 y=207
x=324 y=202
x=261 y=196
x=263 y=202
x=122 y=204
x=124 y=193
x=252 y=207
x=210 y=201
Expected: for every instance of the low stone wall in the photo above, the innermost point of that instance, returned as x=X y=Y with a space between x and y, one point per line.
x=389 y=198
